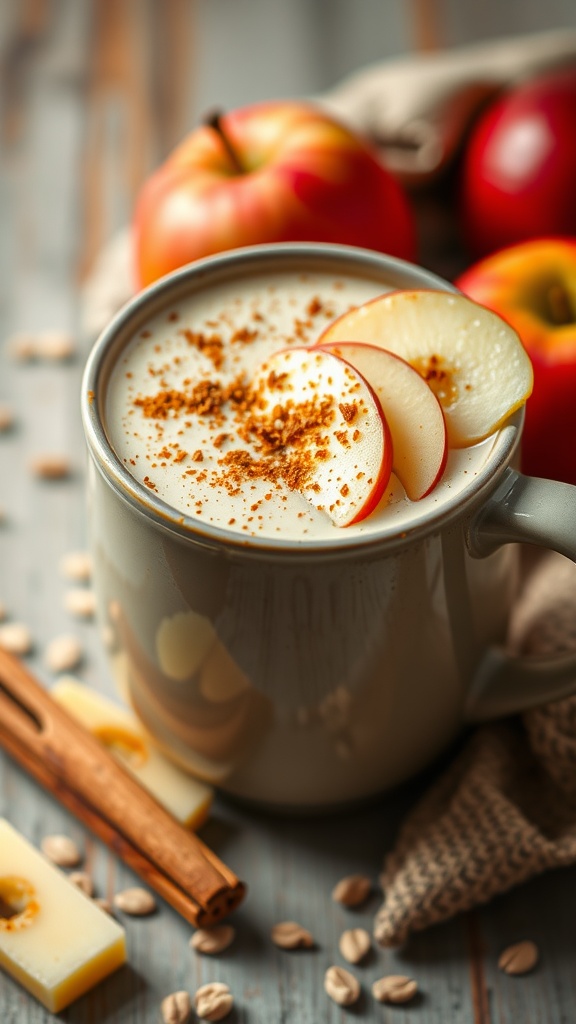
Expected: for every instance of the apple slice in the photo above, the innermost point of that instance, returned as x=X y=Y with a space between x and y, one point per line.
x=413 y=413
x=324 y=426
x=471 y=358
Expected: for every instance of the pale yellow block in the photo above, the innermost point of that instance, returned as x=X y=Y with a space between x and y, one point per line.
x=60 y=944
x=187 y=798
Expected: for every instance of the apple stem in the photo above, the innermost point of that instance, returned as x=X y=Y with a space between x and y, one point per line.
x=214 y=121
x=559 y=305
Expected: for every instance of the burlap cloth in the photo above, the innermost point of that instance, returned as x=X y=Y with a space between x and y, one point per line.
x=505 y=810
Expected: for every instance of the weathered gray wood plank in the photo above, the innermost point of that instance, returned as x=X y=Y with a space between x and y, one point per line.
x=90 y=101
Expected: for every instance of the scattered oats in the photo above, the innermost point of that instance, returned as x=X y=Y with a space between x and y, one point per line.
x=82 y=880
x=54 y=345
x=6 y=417
x=176 y=1008
x=291 y=935
x=352 y=890
x=76 y=566
x=15 y=638
x=22 y=346
x=104 y=904
x=341 y=986
x=80 y=601
x=394 y=988
x=213 y=1001
x=61 y=850
x=136 y=901
x=213 y=940
x=519 y=958
x=51 y=467
x=63 y=654
x=354 y=944
x=48 y=344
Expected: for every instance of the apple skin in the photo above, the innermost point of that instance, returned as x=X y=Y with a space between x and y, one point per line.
x=519 y=166
x=303 y=177
x=532 y=285
x=413 y=414
x=460 y=348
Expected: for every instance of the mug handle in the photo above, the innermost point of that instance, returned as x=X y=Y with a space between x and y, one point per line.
x=534 y=511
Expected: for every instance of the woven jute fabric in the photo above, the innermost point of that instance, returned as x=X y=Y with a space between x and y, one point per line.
x=505 y=809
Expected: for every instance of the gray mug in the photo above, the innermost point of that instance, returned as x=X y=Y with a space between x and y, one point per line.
x=305 y=675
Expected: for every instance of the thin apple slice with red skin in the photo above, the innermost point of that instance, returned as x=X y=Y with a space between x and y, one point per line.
x=471 y=358
x=413 y=414
x=321 y=420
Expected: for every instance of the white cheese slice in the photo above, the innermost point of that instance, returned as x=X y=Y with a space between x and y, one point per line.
x=187 y=798
x=54 y=939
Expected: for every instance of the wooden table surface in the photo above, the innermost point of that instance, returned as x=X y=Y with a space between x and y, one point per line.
x=87 y=106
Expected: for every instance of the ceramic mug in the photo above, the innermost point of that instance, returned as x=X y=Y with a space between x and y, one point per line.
x=319 y=672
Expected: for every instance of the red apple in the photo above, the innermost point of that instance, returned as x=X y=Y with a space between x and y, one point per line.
x=323 y=425
x=272 y=172
x=519 y=167
x=533 y=286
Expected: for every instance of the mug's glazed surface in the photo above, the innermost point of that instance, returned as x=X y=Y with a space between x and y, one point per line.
x=294 y=674
x=296 y=682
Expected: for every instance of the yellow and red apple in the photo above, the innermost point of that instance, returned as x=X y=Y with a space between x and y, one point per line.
x=272 y=172
x=533 y=286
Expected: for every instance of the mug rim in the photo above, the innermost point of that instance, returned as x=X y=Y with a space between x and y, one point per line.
x=249 y=259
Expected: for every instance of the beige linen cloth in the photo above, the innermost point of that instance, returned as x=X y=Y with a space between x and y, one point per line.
x=417 y=108
x=505 y=810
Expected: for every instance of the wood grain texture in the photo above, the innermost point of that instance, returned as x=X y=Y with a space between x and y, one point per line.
x=93 y=93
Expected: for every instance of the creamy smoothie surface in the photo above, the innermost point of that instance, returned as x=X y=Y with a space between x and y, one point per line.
x=175 y=408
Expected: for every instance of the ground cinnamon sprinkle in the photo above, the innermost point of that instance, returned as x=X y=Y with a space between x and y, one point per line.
x=160 y=405
x=270 y=436
x=289 y=437
x=439 y=376
x=276 y=381
x=315 y=306
x=349 y=411
x=211 y=345
x=294 y=424
x=244 y=334
x=205 y=398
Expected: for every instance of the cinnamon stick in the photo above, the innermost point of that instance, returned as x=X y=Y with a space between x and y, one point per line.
x=69 y=762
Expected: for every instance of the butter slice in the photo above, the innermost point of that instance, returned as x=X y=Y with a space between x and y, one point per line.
x=187 y=798
x=59 y=944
